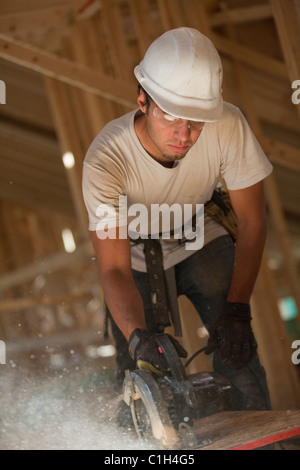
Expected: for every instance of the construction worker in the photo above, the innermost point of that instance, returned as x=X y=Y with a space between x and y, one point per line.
x=174 y=150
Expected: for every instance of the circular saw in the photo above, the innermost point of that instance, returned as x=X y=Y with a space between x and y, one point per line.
x=164 y=409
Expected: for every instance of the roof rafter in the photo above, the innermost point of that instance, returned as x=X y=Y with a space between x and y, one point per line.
x=241 y=15
x=21 y=7
x=67 y=71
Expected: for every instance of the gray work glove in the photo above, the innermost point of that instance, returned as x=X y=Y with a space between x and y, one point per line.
x=233 y=335
x=145 y=350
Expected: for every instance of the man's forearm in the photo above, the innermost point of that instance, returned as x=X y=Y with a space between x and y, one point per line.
x=124 y=302
x=248 y=254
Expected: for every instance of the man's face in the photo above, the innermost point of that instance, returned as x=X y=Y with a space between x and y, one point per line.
x=165 y=138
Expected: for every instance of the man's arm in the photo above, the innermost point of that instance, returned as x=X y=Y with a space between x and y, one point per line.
x=232 y=332
x=121 y=294
x=249 y=206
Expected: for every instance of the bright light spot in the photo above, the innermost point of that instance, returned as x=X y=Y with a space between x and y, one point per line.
x=68 y=160
x=287 y=308
x=274 y=263
x=202 y=332
x=107 y=350
x=68 y=240
x=57 y=361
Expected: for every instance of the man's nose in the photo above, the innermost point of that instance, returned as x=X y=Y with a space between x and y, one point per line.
x=183 y=129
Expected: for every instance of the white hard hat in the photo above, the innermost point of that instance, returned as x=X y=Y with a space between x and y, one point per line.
x=182 y=72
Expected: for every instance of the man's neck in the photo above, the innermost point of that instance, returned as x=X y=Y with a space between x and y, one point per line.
x=145 y=141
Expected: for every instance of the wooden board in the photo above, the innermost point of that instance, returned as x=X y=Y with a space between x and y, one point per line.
x=246 y=430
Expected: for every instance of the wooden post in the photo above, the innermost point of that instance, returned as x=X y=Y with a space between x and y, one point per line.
x=287 y=19
x=274 y=349
x=68 y=135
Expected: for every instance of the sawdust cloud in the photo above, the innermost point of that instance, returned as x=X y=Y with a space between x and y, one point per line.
x=69 y=409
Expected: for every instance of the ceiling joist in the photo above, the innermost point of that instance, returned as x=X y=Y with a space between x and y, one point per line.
x=241 y=15
x=67 y=71
x=22 y=7
x=249 y=56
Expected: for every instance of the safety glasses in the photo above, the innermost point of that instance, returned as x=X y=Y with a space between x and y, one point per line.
x=171 y=121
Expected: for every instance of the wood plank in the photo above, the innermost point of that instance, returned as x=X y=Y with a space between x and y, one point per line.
x=142 y=25
x=21 y=7
x=287 y=18
x=165 y=13
x=227 y=430
x=60 y=17
x=29 y=196
x=249 y=56
x=68 y=133
x=44 y=265
x=281 y=154
x=88 y=106
x=283 y=237
x=81 y=336
x=67 y=71
x=27 y=176
x=8 y=305
x=116 y=40
x=30 y=157
x=241 y=15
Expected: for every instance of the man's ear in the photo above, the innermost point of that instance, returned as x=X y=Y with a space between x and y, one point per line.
x=142 y=102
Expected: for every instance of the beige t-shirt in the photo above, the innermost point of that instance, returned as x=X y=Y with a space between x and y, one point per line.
x=118 y=169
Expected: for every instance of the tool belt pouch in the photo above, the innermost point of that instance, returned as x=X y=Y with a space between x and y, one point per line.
x=220 y=209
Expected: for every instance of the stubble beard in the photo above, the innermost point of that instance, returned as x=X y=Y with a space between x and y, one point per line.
x=169 y=157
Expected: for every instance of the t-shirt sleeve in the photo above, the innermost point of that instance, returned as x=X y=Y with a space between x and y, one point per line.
x=243 y=162
x=102 y=186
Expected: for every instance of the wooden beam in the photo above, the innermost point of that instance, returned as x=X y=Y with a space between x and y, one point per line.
x=274 y=347
x=165 y=13
x=50 y=263
x=287 y=19
x=249 y=56
x=8 y=305
x=65 y=338
x=88 y=106
x=281 y=154
x=36 y=19
x=231 y=429
x=87 y=8
x=30 y=197
x=117 y=44
x=241 y=15
x=277 y=214
x=143 y=27
x=21 y=7
x=67 y=131
x=67 y=71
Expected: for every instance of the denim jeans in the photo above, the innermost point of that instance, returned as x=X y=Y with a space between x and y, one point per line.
x=204 y=278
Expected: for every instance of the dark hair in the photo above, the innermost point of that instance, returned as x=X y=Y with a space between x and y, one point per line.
x=148 y=97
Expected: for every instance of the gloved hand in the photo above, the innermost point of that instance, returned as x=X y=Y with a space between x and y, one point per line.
x=233 y=335
x=143 y=347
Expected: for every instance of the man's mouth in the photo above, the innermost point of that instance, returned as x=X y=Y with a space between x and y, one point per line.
x=179 y=148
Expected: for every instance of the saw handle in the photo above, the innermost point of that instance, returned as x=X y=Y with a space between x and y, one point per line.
x=171 y=356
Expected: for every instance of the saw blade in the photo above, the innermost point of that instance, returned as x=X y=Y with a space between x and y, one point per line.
x=149 y=411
